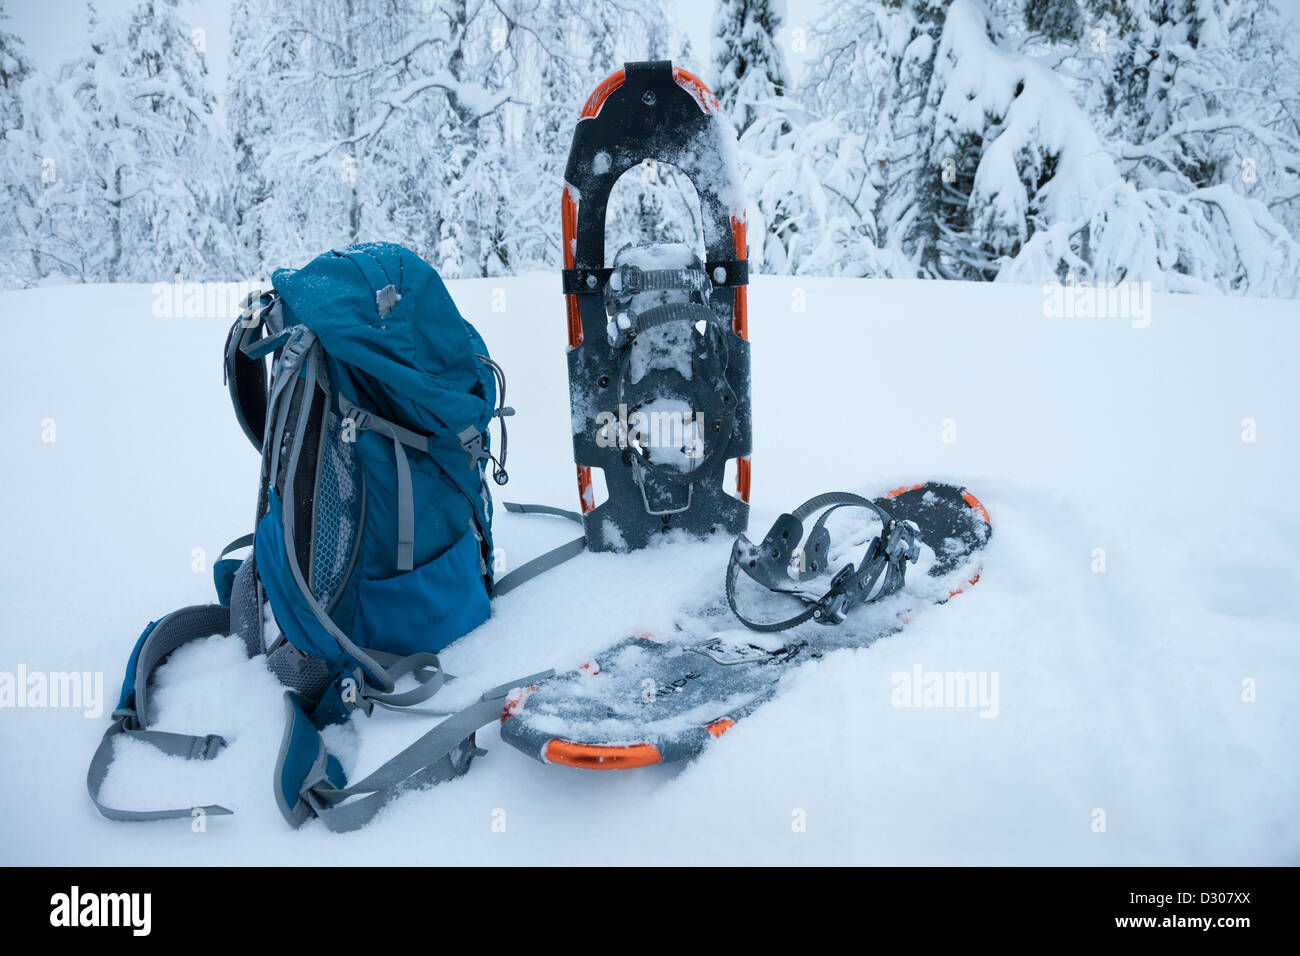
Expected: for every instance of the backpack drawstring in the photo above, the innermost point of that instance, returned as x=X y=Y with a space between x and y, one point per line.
x=500 y=413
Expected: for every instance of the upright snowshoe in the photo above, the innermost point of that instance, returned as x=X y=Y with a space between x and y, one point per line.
x=659 y=374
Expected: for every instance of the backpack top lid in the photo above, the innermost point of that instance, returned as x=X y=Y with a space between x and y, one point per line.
x=385 y=311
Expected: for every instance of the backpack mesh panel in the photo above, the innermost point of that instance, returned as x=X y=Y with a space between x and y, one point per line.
x=338 y=512
x=246 y=607
x=307 y=675
x=304 y=481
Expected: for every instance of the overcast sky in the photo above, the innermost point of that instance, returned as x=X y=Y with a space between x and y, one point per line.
x=55 y=29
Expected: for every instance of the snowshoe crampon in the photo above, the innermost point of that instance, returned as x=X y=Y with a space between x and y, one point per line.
x=646 y=701
x=659 y=373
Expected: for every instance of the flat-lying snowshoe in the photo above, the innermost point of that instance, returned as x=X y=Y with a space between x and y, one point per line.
x=647 y=700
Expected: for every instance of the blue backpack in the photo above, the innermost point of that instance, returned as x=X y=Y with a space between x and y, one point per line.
x=373 y=532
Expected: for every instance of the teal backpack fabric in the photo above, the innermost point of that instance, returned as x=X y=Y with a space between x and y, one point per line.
x=372 y=541
x=382 y=496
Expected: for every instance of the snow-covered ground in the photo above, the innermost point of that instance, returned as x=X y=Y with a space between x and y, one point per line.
x=1161 y=691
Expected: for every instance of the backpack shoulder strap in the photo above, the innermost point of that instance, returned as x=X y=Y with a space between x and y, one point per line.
x=245 y=370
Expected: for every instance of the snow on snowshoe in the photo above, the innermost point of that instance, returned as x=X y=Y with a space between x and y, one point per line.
x=865 y=568
x=659 y=375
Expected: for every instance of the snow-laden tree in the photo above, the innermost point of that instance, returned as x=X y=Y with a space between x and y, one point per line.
x=749 y=69
x=1055 y=20
x=1193 y=88
x=440 y=124
x=181 y=214
x=1009 y=149
x=918 y=188
x=20 y=172
x=253 y=108
x=136 y=162
x=1017 y=183
x=813 y=158
x=15 y=68
x=1197 y=103
x=847 y=186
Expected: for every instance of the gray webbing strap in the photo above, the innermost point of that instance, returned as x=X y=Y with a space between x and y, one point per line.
x=428 y=673
x=369 y=421
x=176 y=745
x=243 y=541
x=427 y=761
x=279 y=401
x=538 y=565
x=261 y=348
x=544 y=562
x=131 y=722
x=515 y=507
x=358 y=654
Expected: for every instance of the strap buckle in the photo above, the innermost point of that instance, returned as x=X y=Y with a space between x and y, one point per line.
x=830 y=610
x=471 y=440
x=206 y=748
x=360 y=701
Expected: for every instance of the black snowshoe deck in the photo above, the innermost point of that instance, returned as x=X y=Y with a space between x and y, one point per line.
x=645 y=701
x=655 y=111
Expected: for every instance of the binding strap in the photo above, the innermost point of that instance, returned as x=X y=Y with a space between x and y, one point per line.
x=627 y=280
x=722 y=273
x=769 y=563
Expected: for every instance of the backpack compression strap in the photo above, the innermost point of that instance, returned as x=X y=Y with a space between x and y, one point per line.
x=309 y=781
x=131 y=718
x=544 y=562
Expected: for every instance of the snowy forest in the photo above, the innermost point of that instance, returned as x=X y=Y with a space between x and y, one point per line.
x=1008 y=140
